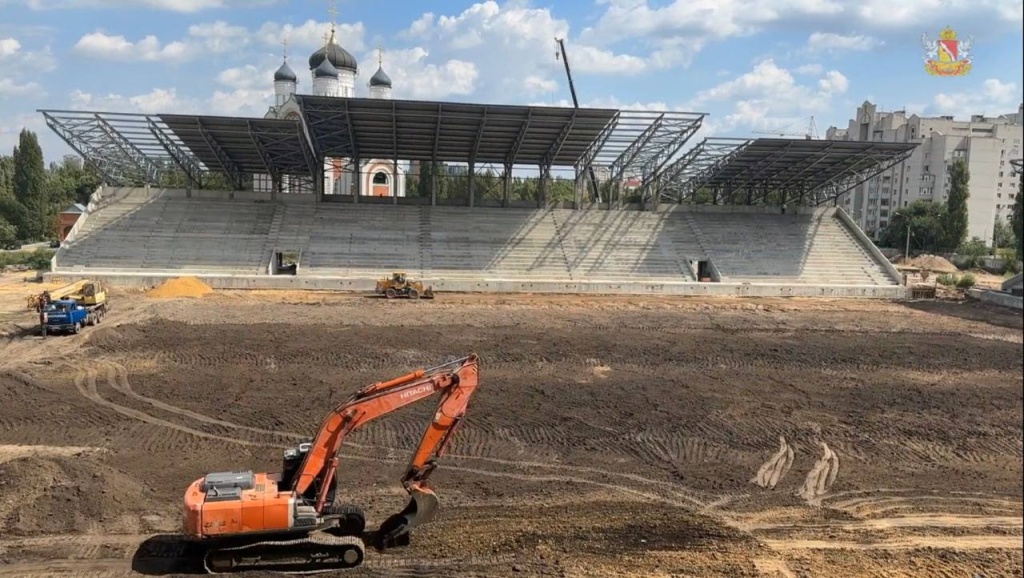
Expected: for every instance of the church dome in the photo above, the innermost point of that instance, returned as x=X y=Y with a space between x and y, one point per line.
x=340 y=58
x=325 y=69
x=285 y=74
x=380 y=78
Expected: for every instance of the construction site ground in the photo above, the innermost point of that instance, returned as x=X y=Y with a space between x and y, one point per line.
x=610 y=436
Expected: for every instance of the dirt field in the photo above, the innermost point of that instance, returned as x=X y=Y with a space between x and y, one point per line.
x=609 y=436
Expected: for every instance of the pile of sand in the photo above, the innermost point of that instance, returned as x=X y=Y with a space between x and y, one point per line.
x=180 y=287
x=933 y=263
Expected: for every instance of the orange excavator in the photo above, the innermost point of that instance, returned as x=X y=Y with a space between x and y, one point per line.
x=289 y=522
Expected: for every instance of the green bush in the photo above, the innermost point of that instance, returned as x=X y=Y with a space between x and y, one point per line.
x=38 y=259
x=966 y=282
x=947 y=279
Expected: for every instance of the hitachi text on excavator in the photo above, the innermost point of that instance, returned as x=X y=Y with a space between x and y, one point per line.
x=289 y=521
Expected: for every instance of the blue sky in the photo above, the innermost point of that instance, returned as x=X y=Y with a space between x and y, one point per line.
x=753 y=66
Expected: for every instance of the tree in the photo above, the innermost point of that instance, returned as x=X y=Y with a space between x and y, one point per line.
x=1017 y=220
x=926 y=221
x=6 y=176
x=1002 y=234
x=956 y=205
x=8 y=232
x=30 y=186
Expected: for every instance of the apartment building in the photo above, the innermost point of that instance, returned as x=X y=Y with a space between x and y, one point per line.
x=986 y=143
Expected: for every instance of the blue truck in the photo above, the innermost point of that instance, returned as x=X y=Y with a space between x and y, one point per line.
x=70 y=316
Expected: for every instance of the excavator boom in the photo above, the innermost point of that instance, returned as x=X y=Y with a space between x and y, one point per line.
x=243 y=511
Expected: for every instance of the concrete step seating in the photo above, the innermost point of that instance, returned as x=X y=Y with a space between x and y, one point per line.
x=805 y=249
x=142 y=231
x=621 y=245
x=151 y=232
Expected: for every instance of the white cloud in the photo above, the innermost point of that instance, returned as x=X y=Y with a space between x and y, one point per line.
x=588 y=59
x=107 y=47
x=809 y=69
x=680 y=29
x=310 y=35
x=535 y=85
x=9 y=47
x=769 y=97
x=238 y=102
x=834 y=83
x=415 y=77
x=831 y=42
x=993 y=97
x=184 y=6
x=19 y=63
x=9 y=87
x=217 y=37
x=512 y=46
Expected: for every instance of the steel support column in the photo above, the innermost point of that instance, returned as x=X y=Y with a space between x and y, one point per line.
x=226 y=164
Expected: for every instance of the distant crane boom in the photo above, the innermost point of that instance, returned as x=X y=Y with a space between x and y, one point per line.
x=576 y=104
x=811 y=133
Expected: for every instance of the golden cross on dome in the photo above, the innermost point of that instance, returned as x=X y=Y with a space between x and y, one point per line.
x=333 y=11
x=285 y=44
x=380 y=55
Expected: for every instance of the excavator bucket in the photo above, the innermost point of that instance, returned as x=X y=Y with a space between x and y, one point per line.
x=421 y=509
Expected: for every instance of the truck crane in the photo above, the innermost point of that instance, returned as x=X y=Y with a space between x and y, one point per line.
x=576 y=104
x=289 y=522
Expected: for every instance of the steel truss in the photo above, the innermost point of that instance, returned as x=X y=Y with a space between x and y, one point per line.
x=691 y=171
x=640 y=144
x=130 y=149
x=126 y=149
x=780 y=171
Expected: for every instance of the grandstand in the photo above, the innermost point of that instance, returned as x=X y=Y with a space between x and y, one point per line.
x=727 y=216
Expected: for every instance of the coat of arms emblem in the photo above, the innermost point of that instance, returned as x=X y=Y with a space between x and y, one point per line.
x=947 y=56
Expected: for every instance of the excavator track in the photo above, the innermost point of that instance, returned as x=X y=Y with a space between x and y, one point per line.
x=313 y=554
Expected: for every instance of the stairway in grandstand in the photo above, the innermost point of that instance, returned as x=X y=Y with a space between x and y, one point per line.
x=163 y=230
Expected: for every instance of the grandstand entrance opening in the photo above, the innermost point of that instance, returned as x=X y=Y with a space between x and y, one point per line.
x=704 y=271
x=285 y=263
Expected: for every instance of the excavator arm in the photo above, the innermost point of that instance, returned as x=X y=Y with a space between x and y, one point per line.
x=456 y=380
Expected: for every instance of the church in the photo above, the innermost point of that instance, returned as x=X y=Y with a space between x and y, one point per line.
x=333 y=72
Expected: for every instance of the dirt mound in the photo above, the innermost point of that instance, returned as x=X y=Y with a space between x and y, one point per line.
x=931 y=263
x=69 y=495
x=180 y=287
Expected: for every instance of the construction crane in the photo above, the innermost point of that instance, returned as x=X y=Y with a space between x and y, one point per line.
x=576 y=104
x=810 y=134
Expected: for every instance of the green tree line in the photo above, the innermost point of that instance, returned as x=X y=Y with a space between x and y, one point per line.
x=32 y=195
x=486 y=183
x=942 y=228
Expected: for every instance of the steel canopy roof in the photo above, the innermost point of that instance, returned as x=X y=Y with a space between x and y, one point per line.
x=809 y=163
x=452 y=132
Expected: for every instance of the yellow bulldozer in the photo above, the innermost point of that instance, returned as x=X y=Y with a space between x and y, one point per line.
x=399 y=285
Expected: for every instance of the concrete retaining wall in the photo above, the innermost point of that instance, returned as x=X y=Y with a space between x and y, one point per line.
x=219 y=281
x=997 y=297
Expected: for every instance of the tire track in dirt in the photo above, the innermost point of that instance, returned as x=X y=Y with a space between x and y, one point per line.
x=118 y=378
x=866 y=506
x=86 y=380
x=958 y=543
x=821 y=477
x=777 y=466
